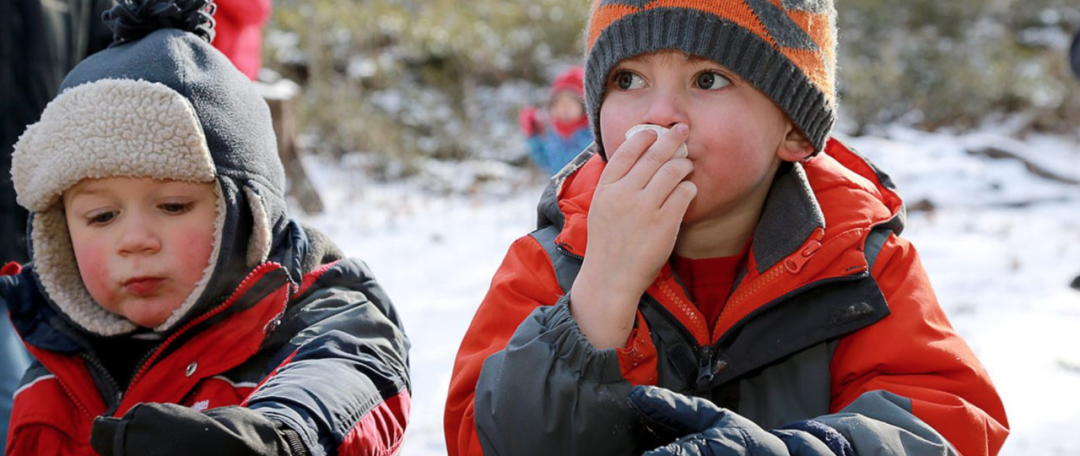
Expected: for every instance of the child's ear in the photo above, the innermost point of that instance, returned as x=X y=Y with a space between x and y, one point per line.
x=794 y=146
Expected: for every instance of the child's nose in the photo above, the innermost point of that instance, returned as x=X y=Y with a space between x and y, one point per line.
x=667 y=109
x=138 y=238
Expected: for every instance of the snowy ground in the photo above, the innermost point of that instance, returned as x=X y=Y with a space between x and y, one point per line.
x=1000 y=245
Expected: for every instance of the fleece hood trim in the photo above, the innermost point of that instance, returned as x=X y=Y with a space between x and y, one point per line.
x=165 y=106
x=102 y=129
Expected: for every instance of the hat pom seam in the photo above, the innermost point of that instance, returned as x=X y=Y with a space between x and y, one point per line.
x=131 y=20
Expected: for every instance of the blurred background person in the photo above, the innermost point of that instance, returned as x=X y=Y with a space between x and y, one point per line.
x=557 y=136
x=238 y=27
x=40 y=41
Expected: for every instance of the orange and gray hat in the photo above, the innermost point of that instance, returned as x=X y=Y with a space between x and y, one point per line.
x=784 y=48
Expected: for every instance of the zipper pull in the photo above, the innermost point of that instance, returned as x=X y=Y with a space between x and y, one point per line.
x=796 y=262
x=705 y=369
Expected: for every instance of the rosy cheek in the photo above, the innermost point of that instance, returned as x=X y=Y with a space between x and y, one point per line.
x=92 y=258
x=613 y=127
x=197 y=244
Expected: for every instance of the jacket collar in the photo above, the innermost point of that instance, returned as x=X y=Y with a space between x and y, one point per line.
x=790 y=215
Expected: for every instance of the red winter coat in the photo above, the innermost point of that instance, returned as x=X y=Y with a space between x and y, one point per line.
x=261 y=348
x=833 y=320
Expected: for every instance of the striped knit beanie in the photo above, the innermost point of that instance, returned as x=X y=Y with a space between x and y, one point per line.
x=784 y=48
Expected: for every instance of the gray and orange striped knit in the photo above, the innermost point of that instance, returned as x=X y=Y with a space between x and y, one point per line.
x=784 y=48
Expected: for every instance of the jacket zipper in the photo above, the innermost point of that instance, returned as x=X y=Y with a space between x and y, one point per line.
x=94 y=362
x=706 y=354
x=143 y=365
x=742 y=321
x=702 y=353
x=565 y=252
x=117 y=393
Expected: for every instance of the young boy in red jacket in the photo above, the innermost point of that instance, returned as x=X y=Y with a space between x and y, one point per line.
x=749 y=294
x=171 y=305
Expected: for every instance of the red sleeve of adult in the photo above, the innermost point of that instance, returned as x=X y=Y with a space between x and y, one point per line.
x=238 y=32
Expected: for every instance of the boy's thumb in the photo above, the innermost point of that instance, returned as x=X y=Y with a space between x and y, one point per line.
x=668 y=412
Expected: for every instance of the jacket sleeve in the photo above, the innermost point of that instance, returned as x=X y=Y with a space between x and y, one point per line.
x=343 y=384
x=909 y=384
x=42 y=416
x=526 y=381
x=15 y=360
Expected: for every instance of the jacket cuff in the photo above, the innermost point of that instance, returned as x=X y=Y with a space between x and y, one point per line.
x=837 y=443
x=285 y=422
x=637 y=358
x=292 y=439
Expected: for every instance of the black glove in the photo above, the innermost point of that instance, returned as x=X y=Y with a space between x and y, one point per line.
x=171 y=429
x=705 y=429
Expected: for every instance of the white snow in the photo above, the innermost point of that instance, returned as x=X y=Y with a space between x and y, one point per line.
x=1001 y=246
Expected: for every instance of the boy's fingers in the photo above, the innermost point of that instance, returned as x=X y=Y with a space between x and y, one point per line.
x=622 y=160
x=679 y=200
x=666 y=178
x=658 y=154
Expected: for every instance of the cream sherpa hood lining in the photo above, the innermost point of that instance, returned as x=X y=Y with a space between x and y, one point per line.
x=113 y=128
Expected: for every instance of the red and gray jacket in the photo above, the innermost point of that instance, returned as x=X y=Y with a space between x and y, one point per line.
x=833 y=319
x=324 y=355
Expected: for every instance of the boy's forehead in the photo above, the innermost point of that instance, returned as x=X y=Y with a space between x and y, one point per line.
x=93 y=186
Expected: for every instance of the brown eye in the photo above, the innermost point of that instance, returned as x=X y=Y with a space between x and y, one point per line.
x=175 y=208
x=100 y=218
x=626 y=80
x=710 y=80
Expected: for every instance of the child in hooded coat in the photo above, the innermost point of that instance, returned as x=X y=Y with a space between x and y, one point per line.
x=555 y=139
x=735 y=284
x=170 y=303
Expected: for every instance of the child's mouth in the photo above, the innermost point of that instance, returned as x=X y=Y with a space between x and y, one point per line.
x=142 y=286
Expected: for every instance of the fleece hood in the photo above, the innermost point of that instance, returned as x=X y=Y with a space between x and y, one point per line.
x=160 y=102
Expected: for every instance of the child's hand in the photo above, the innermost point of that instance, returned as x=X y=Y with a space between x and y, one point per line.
x=171 y=429
x=633 y=221
x=529 y=121
x=700 y=427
